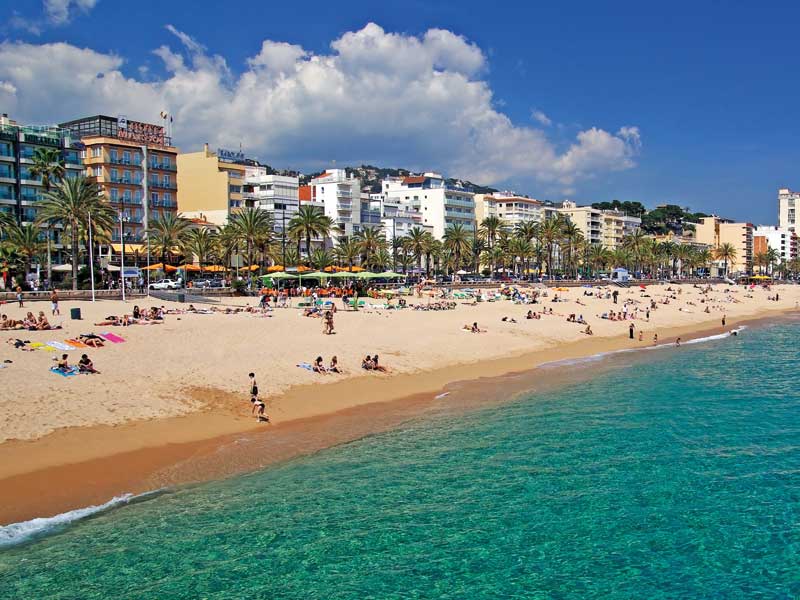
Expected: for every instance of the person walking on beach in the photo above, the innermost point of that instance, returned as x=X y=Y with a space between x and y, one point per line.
x=614 y=295
x=678 y=342
x=723 y=320
x=258 y=404
x=54 y=303
x=630 y=331
x=655 y=339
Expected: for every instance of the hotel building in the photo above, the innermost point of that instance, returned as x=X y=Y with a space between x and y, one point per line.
x=440 y=204
x=511 y=208
x=589 y=220
x=134 y=163
x=211 y=184
x=340 y=197
x=277 y=194
x=715 y=231
x=20 y=191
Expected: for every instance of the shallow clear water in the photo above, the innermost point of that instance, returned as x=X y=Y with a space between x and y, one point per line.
x=674 y=476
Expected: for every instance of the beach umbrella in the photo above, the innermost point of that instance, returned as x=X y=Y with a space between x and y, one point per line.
x=368 y=275
x=356 y=269
x=252 y=268
x=390 y=275
x=279 y=276
x=188 y=268
x=214 y=269
x=317 y=275
x=275 y=268
x=340 y=275
x=154 y=267
x=66 y=268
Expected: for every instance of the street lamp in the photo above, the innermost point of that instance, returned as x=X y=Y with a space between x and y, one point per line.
x=123 y=218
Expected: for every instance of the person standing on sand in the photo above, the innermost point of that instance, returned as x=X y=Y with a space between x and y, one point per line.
x=678 y=342
x=641 y=335
x=655 y=339
x=630 y=331
x=614 y=295
x=258 y=404
x=54 y=303
x=723 y=320
x=19 y=296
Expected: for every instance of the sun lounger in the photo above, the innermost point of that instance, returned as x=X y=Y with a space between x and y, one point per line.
x=112 y=337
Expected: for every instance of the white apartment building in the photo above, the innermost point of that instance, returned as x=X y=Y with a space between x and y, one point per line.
x=341 y=197
x=396 y=219
x=277 y=194
x=511 y=208
x=788 y=202
x=782 y=240
x=439 y=204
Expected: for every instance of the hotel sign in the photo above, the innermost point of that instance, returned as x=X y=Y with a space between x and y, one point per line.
x=140 y=133
x=230 y=155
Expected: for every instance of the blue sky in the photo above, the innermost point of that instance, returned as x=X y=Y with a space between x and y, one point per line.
x=711 y=89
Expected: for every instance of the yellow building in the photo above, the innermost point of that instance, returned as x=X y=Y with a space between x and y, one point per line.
x=715 y=231
x=210 y=185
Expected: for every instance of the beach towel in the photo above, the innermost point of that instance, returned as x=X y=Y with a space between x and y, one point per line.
x=41 y=346
x=76 y=344
x=112 y=337
x=72 y=371
x=60 y=346
x=306 y=366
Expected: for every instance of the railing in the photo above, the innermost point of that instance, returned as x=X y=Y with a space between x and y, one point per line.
x=163 y=186
x=164 y=167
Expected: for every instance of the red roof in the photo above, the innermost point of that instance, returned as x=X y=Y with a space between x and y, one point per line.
x=305 y=193
x=416 y=179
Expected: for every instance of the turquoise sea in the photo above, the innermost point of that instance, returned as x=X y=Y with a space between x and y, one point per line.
x=672 y=473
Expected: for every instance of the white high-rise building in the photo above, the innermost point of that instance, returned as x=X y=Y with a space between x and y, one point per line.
x=511 y=208
x=341 y=197
x=788 y=202
x=439 y=203
x=277 y=194
x=782 y=240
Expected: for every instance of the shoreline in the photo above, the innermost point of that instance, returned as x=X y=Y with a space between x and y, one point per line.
x=82 y=466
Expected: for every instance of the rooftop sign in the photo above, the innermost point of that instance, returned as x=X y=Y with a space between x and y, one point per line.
x=230 y=155
x=140 y=133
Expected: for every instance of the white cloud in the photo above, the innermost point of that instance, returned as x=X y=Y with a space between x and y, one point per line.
x=541 y=118
x=379 y=97
x=60 y=12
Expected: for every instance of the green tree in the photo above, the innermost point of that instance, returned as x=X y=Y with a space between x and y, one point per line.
x=167 y=233
x=254 y=228
x=458 y=241
x=71 y=203
x=199 y=243
x=309 y=222
x=727 y=254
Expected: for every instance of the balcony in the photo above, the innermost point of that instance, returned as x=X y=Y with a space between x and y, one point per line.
x=163 y=167
x=163 y=186
x=164 y=204
x=7 y=195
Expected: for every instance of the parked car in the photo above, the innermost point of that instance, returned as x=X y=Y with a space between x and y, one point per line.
x=165 y=284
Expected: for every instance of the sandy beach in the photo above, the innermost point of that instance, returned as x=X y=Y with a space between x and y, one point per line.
x=177 y=391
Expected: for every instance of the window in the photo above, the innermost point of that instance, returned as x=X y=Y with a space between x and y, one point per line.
x=165 y=161
x=154 y=197
x=126 y=177
x=137 y=177
x=113 y=155
x=114 y=175
x=126 y=157
x=114 y=195
x=98 y=171
x=165 y=180
x=167 y=198
x=137 y=158
x=137 y=195
x=97 y=152
x=126 y=195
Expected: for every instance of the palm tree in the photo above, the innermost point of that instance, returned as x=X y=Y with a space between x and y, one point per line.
x=346 y=252
x=491 y=226
x=27 y=241
x=370 y=242
x=309 y=222
x=550 y=235
x=772 y=257
x=199 y=243
x=417 y=241
x=321 y=259
x=458 y=240
x=47 y=166
x=71 y=203
x=636 y=242
x=599 y=257
x=254 y=227
x=168 y=232
x=226 y=244
x=726 y=253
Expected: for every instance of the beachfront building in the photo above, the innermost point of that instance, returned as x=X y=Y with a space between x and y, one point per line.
x=715 y=231
x=20 y=190
x=511 y=208
x=340 y=198
x=788 y=202
x=440 y=204
x=616 y=225
x=277 y=194
x=134 y=163
x=395 y=217
x=782 y=240
x=587 y=219
x=210 y=184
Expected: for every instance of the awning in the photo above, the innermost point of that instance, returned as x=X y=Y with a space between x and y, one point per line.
x=132 y=248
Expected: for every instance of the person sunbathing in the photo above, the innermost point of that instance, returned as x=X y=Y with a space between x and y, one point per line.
x=90 y=339
x=19 y=344
x=367 y=363
x=42 y=323
x=376 y=366
x=6 y=323
x=137 y=314
x=30 y=322
x=476 y=329
x=85 y=365
x=63 y=364
x=588 y=330
x=334 y=366
x=110 y=320
x=318 y=367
